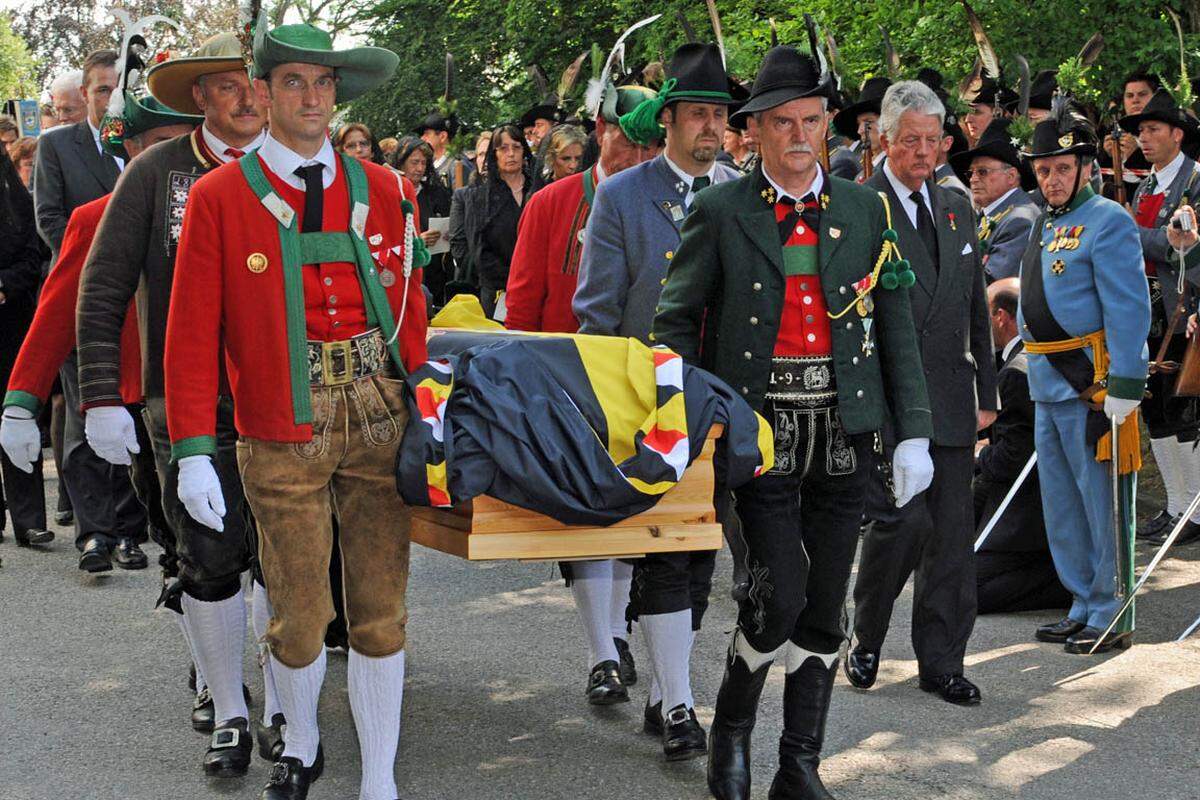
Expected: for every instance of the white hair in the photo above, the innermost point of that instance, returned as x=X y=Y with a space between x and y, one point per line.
x=908 y=96
x=66 y=82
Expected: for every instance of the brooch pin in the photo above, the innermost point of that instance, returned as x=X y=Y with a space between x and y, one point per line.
x=835 y=233
x=953 y=225
x=768 y=194
x=256 y=263
x=824 y=202
x=1058 y=267
x=868 y=346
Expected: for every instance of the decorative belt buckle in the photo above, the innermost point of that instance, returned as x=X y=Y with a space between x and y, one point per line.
x=337 y=363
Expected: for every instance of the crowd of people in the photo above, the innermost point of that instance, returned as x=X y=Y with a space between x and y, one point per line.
x=210 y=298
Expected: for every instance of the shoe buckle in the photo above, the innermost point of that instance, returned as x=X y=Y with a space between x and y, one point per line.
x=279 y=774
x=677 y=715
x=225 y=738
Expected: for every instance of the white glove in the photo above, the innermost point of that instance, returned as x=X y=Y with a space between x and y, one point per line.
x=912 y=470
x=1119 y=409
x=20 y=437
x=200 y=491
x=110 y=433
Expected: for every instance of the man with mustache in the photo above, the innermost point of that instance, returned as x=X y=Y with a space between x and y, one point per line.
x=134 y=254
x=631 y=237
x=779 y=289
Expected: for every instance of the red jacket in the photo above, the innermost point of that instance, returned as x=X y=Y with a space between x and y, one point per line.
x=229 y=289
x=545 y=263
x=51 y=336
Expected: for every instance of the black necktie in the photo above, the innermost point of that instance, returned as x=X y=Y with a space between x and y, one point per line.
x=700 y=183
x=925 y=227
x=314 y=198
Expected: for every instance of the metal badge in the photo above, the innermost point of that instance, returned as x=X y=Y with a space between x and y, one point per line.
x=835 y=233
x=256 y=263
x=868 y=346
x=677 y=213
x=1058 y=267
x=387 y=278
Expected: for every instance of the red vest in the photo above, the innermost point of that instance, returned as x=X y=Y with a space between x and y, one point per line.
x=1147 y=212
x=804 y=325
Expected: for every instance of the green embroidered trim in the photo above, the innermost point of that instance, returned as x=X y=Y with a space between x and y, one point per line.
x=293 y=289
x=589 y=186
x=379 y=310
x=800 y=261
x=325 y=248
x=25 y=400
x=193 y=446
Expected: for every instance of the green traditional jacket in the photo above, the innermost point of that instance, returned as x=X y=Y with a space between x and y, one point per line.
x=724 y=294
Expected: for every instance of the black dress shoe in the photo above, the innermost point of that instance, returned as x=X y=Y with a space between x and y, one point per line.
x=96 y=556
x=604 y=685
x=129 y=556
x=270 y=739
x=652 y=721
x=228 y=753
x=1189 y=534
x=64 y=517
x=290 y=779
x=628 y=668
x=1058 y=632
x=862 y=667
x=682 y=736
x=1081 y=643
x=203 y=715
x=953 y=689
x=33 y=536
x=1153 y=526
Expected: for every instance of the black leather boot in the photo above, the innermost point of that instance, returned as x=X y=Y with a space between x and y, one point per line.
x=729 y=736
x=805 y=706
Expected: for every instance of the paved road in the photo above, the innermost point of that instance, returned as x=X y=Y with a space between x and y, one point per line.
x=94 y=702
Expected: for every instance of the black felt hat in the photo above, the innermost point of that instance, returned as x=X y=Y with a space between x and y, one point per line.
x=786 y=74
x=437 y=121
x=1065 y=132
x=699 y=75
x=1042 y=89
x=995 y=142
x=1163 y=108
x=870 y=100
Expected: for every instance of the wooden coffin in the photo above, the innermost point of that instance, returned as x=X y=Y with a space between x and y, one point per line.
x=487 y=529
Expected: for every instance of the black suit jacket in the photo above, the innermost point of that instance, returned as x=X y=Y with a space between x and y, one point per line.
x=949 y=308
x=1022 y=528
x=68 y=172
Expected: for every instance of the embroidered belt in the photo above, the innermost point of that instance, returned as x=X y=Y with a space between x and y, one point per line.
x=345 y=361
x=804 y=380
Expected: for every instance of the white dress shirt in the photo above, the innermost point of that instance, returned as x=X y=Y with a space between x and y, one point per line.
x=903 y=192
x=219 y=147
x=283 y=161
x=1166 y=176
x=1008 y=348
x=100 y=147
x=687 y=179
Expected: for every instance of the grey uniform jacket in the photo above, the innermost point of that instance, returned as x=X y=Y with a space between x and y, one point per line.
x=631 y=237
x=1006 y=244
x=1155 y=246
x=949 y=308
x=68 y=172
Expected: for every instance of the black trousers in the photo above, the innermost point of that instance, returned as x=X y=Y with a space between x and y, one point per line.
x=24 y=496
x=799 y=526
x=664 y=583
x=149 y=493
x=1010 y=582
x=933 y=537
x=210 y=564
x=102 y=494
x=1165 y=414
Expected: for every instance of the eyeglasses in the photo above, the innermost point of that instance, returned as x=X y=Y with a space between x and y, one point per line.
x=983 y=172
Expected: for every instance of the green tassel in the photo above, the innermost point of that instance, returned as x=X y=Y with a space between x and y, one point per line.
x=641 y=125
x=888 y=267
x=421 y=256
x=406 y=206
x=903 y=266
x=906 y=278
x=890 y=235
x=889 y=281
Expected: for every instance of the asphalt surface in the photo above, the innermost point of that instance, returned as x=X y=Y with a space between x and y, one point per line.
x=94 y=701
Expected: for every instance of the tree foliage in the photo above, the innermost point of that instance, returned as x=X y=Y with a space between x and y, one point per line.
x=17 y=68
x=493 y=41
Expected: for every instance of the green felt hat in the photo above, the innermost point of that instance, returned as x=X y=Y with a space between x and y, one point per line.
x=359 y=69
x=138 y=116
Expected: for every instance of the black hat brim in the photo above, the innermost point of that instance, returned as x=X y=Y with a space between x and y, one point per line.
x=961 y=162
x=550 y=113
x=1190 y=128
x=772 y=98
x=845 y=121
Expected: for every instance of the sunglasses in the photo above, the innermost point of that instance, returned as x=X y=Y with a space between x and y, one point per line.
x=983 y=172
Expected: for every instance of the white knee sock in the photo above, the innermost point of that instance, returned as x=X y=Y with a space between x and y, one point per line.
x=299 y=692
x=622 y=577
x=796 y=656
x=218 y=632
x=1167 y=455
x=669 y=641
x=591 y=584
x=655 y=687
x=260 y=615
x=753 y=658
x=181 y=620
x=1189 y=475
x=376 y=691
